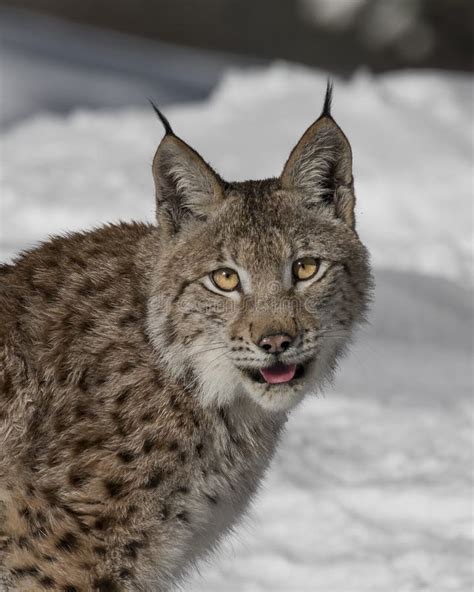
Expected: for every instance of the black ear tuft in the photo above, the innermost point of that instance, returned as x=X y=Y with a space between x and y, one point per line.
x=326 y=112
x=162 y=118
x=320 y=166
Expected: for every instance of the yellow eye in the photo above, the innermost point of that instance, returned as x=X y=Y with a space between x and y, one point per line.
x=305 y=268
x=225 y=279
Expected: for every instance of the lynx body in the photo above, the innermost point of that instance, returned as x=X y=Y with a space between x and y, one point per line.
x=146 y=372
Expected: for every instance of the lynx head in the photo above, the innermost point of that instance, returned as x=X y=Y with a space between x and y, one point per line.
x=258 y=284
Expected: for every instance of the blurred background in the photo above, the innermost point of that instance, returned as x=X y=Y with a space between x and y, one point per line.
x=371 y=489
x=59 y=54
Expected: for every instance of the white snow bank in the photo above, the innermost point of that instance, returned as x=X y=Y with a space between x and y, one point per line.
x=371 y=488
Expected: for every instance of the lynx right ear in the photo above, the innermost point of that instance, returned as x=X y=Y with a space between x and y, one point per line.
x=320 y=165
x=186 y=186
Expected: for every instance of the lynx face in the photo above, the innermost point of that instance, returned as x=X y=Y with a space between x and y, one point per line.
x=258 y=285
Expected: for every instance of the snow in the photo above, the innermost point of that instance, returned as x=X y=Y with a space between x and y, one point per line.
x=372 y=486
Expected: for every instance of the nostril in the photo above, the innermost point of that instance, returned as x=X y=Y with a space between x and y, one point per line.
x=275 y=343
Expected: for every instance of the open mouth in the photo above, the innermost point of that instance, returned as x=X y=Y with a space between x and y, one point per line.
x=277 y=374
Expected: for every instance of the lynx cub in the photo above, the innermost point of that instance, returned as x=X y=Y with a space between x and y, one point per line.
x=146 y=372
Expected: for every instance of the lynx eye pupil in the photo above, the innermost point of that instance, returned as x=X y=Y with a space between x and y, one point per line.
x=225 y=279
x=305 y=268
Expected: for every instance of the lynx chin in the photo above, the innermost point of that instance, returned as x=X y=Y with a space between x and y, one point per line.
x=147 y=371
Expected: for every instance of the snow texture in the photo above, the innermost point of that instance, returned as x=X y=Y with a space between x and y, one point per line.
x=371 y=489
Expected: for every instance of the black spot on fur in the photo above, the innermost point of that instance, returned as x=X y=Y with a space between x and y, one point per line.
x=128 y=319
x=174 y=402
x=51 y=495
x=212 y=498
x=70 y=588
x=157 y=380
x=83 y=382
x=60 y=423
x=40 y=517
x=100 y=551
x=114 y=487
x=80 y=410
x=126 y=367
x=83 y=444
x=25 y=513
x=6 y=543
x=76 y=260
x=173 y=446
x=68 y=542
x=154 y=479
x=225 y=419
x=23 y=542
x=123 y=395
x=6 y=387
x=106 y=585
x=24 y=571
x=199 y=449
x=87 y=288
x=78 y=478
x=183 y=517
x=125 y=573
x=48 y=292
x=38 y=533
x=108 y=304
x=86 y=325
x=126 y=456
x=131 y=549
x=99 y=380
x=103 y=523
x=63 y=372
x=148 y=445
x=47 y=582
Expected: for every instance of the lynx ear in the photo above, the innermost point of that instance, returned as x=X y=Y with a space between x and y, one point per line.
x=186 y=187
x=320 y=165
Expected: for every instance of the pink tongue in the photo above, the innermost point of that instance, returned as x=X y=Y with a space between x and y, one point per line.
x=278 y=373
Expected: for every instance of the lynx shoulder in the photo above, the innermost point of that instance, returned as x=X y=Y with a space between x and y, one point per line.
x=147 y=371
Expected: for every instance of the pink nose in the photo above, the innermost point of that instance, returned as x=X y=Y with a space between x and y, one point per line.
x=275 y=344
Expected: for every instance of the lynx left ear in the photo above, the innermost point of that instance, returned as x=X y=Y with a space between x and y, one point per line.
x=186 y=186
x=320 y=165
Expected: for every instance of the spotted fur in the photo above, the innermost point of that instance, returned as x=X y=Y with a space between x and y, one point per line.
x=132 y=436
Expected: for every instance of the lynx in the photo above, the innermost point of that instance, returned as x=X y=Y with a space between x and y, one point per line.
x=147 y=371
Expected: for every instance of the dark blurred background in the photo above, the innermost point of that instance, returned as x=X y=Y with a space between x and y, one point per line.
x=181 y=47
x=331 y=34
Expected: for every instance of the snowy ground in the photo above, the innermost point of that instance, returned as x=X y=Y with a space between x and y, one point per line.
x=372 y=486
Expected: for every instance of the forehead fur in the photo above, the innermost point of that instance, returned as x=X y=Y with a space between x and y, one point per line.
x=259 y=224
